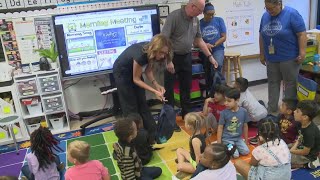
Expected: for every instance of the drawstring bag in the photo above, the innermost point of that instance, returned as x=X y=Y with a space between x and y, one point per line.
x=166 y=124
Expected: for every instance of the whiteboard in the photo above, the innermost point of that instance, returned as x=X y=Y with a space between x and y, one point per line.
x=303 y=7
x=221 y=8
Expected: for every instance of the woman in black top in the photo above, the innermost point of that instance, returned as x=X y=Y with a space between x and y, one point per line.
x=128 y=68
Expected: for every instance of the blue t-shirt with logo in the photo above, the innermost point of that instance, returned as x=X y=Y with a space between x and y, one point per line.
x=233 y=123
x=282 y=29
x=211 y=31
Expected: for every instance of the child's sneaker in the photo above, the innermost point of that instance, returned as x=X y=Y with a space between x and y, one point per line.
x=314 y=164
x=255 y=140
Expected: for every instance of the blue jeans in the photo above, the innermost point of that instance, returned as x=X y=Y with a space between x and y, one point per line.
x=150 y=173
x=218 y=55
x=26 y=171
x=282 y=172
x=241 y=146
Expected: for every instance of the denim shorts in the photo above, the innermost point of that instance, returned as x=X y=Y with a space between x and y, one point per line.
x=282 y=172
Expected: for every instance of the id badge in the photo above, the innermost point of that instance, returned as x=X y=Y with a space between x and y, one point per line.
x=271 y=49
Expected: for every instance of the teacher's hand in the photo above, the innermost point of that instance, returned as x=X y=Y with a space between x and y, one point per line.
x=160 y=96
x=263 y=60
x=170 y=67
x=213 y=62
x=301 y=58
x=210 y=46
x=160 y=89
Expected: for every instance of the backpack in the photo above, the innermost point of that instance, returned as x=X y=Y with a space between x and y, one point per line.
x=166 y=123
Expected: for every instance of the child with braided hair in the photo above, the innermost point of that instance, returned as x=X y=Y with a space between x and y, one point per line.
x=187 y=161
x=270 y=159
x=42 y=162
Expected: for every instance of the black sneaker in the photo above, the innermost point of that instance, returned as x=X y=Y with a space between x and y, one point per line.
x=254 y=141
x=177 y=128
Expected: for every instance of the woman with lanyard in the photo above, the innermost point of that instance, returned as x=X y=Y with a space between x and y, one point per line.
x=213 y=32
x=283 y=44
x=128 y=68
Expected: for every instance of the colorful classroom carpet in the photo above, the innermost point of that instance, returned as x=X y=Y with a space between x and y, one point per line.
x=101 y=149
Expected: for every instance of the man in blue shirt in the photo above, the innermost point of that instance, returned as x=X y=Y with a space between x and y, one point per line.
x=282 y=49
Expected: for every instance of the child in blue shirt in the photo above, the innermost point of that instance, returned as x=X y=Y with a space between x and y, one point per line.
x=233 y=123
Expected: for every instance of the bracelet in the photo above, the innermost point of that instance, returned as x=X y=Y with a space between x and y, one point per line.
x=153 y=81
x=209 y=56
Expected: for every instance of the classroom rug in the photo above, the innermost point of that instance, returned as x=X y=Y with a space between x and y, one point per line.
x=101 y=149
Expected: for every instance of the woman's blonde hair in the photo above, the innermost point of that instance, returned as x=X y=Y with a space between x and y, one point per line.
x=158 y=42
x=194 y=120
x=79 y=150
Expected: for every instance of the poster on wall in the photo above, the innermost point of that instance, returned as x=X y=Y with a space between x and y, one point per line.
x=26 y=38
x=9 y=41
x=43 y=29
x=240 y=23
x=240 y=27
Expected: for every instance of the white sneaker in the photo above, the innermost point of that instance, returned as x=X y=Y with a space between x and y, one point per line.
x=314 y=164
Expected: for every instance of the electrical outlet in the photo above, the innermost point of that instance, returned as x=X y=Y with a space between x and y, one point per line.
x=164 y=11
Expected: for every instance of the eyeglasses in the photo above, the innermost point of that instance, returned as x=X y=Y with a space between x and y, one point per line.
x=198 y=9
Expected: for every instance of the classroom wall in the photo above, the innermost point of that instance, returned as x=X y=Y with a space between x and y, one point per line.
x=85 y=95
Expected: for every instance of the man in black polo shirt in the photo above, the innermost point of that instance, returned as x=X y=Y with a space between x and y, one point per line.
x=182 y=27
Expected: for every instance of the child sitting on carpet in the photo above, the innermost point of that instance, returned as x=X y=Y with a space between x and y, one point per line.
x=287 y=125
x=141 y=143
x=78 y=153
x=233 y=123
x=285 y=120
x=42 y=162
x=271 y=159
x=216 y=164
x=306 y=149
x=187 y=161
x=213 y=106
x=125 y=154
x=256 y=110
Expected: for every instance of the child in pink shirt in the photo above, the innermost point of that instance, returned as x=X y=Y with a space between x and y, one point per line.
x=78 y=153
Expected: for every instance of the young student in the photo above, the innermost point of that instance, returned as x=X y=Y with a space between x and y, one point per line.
x=285 y=120
x=233 y=123
x=271 y=159
x=125 y=154
x=141 y=143
x=306 y=149
x=214 y=105
x=255 y=110
x=187 y=161
x=42 y=162
x=216 y=160
x=287 y=125
x=78 y=153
